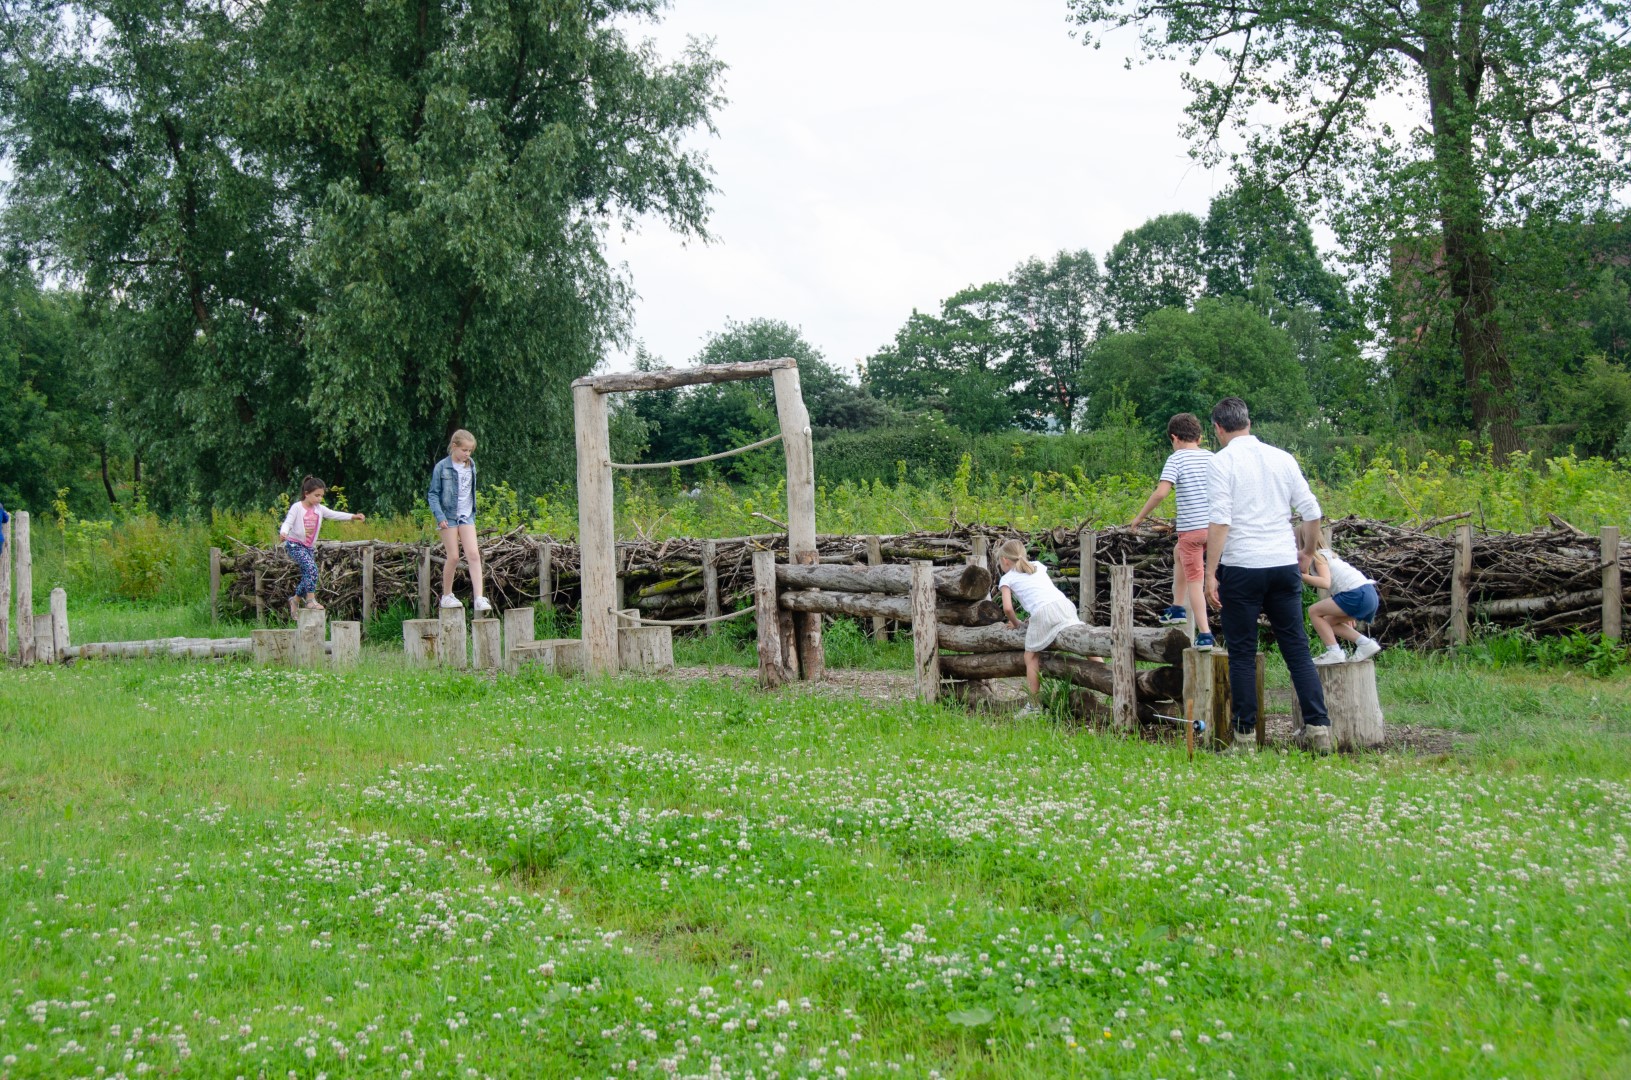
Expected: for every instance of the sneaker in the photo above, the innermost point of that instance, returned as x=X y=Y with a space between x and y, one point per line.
x=451 y=601
x=482 y=604
x=1333 y=655
x=1243 y=743
x=1368 y=647
x=1205 y=642
x=1029 y=710
x=1317 y=739
x=1173 y=616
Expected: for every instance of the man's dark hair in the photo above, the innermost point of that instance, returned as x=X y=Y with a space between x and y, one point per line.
x=1230 y=415
x=1186 y=426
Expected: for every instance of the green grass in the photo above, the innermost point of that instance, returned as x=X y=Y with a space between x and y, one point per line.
x=218 y=870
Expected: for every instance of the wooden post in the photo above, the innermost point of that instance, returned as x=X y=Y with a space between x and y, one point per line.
x=487 y=644
x=1124 y=698
x=978 y=546
x=874 y=557
x=455 y=638
x=772 y=670
x=5 y=592
x=59 y=625
x=215 y=585
x=345 y=643
x=25 y=589
x=1325 y=542
x=1613 y=597
x=1352 y=704
x=367 y=583
x=925 y=631
x=273 y=646
x=597 y=537
x=1087 y=557
x=424 y=582
x=310 y=630
x=1461 y=585
x=421 y=640
x=801 y=531
x=646 y=649
x=260 y=595
x=546 y=577
x=520 y=628
x=1206 y=690
x=710 y=585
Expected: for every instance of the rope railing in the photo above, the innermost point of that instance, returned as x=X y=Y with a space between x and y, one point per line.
x=699 y=460
x=641 y=620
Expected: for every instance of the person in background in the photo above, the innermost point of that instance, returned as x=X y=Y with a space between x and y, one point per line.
x=1048 y=609
x=1353 y=600
x=299 y=535
x=4 y=517
x=452 y=499
x=1253 y=567
x=1186 y=471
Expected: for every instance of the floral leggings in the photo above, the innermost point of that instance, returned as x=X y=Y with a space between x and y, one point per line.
x=304 y=559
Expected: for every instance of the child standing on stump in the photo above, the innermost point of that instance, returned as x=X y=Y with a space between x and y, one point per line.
x=1186 y=470
x=452 y=499
x=299 y=536
x=1049 y=611
x=1353 y=600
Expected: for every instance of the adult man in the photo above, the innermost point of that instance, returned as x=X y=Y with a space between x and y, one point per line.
x=1251 y=567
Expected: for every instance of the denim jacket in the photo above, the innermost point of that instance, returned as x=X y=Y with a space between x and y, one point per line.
x=443 y=495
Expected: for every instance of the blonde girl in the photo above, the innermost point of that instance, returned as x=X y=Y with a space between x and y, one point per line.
x=299 y=535
x=1049 y=610
x=452 y=499
x=1353 y=600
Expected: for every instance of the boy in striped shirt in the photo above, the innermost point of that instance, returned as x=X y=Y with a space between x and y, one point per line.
x=1186 y=471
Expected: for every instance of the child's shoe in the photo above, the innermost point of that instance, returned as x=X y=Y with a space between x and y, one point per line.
x=450 y=600
x=1205 y=642
x=1028 y=710
x=1333 y=655
x=482 y=604
x=1368 y=647
x=1173 y=616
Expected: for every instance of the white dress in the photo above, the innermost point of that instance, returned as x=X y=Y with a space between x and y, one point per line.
x=1049 y=609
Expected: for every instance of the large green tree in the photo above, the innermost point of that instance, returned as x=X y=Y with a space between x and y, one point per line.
x=1520 y=116
x=1055 y=311
x=1155 y=266
x=328 y=233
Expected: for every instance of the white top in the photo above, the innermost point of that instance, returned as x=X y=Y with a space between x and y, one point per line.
x=1253 y=488
x=1188 y=471
x=294 y=522
x=467 y=492
x=1344 y=577
x=1035 y=590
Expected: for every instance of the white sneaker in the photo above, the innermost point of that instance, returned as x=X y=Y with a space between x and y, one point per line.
x=1029 y=710
x=1368 y=647
x=451 y=601
x=1333 y=655
x=482 y=604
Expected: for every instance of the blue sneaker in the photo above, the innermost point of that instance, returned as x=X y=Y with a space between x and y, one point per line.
x=1173 y=616
x=1205 y=642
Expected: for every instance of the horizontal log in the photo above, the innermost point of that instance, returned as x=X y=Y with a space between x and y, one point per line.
x=679 y=601
x=951 y=582
x=1162 y=644
x=672 y=378
x=963 y=613
x=1088 y=705
x=1153 y=684
x=177 y=646
x=1521 y=605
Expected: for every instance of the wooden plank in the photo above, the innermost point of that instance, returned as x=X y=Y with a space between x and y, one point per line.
x=799 y=452
x=1461 y=586
x=1124 y=701
x=1087 y=541
x=367 y=583
x=345 y=643
x=59 y=625
x=215 y=585
x=597 y=536
x=710 y=585
x=925 y=643
x=424 y=583
x=874 y=557
x=6 y=550
x=1613 y=596
x=25 y=589
x=772 y=671
x=487 y=644
x=546 y=577
x=875 y=605
x=455 y=637
x=966 y=582
x=672 y=378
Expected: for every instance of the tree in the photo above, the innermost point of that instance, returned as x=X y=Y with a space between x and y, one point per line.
x=1054 y=313
x=1256 y=242
x=1523 y=118
x=1155 y=266
x=325 y=234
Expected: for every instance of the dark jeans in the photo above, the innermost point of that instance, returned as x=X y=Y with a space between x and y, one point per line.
x=1276 y=591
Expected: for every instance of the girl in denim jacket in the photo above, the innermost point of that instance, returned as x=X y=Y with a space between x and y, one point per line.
x=452 y=498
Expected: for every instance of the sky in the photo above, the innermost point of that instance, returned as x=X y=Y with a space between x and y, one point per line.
x=877 y=156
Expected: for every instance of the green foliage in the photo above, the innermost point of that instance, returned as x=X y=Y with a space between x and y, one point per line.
x=1601 y=405
x=1593 y=654
x=1155 y=266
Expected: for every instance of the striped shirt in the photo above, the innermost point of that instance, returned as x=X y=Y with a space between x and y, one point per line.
x=1253 y=489
x=1187 y=471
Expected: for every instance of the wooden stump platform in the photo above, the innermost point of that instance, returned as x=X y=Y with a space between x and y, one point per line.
x=1351 y=702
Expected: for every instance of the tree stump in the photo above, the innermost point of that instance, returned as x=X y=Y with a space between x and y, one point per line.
x=422 y=640
x=455 y=639
x=272 y=646
x=310 y=632
x=519 y=628
x=486 y=638
x=646 y=649
x=1350 y=699
x=556 y=656
x=1206 y=691
x=345 y=643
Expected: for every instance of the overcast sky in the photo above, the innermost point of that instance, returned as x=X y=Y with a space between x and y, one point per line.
x=879 y=155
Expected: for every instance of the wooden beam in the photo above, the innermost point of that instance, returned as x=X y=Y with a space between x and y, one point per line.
x=967 y=582
x=1162 y=644
x=1152 y=684
x=772 y=670
x=710 y=585
x=799 y=451
x=1125 y=693
x=925 y=642
x=367 y=584
x=597 y=535
x=899 y=608
x=672 y=378
x=25 y=588
x=874 y=557
x=1613 y=598
x=1461 y=585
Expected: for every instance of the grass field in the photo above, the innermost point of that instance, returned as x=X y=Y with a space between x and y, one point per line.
x=223 y=871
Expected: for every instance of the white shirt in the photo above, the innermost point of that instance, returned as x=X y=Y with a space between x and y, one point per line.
x=294 y=522
x=467 y=495
x=1345 y=577
x=1252 y=489
x=1034 y=590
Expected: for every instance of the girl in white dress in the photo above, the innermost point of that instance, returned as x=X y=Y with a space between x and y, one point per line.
x=1049 y=610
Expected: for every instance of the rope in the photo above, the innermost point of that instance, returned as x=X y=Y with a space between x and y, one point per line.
x=699 y=460
x=641 y=620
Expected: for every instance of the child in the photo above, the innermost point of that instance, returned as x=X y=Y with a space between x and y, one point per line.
x=1187 y=471
x=452 y=499
x=1049 y=610
x=1353 y=599
x=299 y=536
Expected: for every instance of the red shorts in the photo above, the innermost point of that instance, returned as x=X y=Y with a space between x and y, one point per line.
x=1192 y=553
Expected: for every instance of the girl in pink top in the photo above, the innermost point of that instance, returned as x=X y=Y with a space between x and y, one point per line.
x=299 y=536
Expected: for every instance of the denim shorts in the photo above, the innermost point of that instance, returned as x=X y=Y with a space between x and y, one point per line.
x=461 y=519
x=1360 y=603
